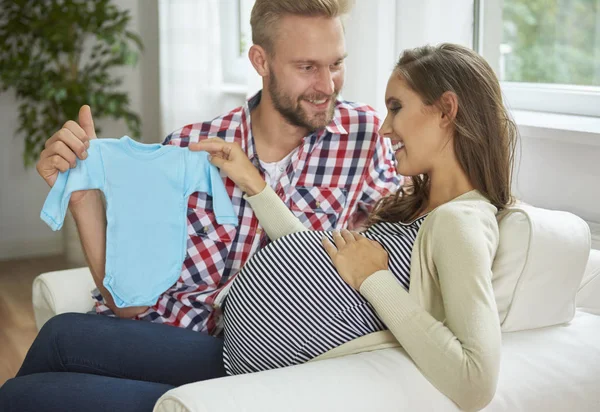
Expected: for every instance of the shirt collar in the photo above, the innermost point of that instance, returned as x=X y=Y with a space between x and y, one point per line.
x=247 y=142
x=336 y=127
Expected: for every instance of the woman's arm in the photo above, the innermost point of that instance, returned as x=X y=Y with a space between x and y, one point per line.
x=273 y=215
x=461 y=356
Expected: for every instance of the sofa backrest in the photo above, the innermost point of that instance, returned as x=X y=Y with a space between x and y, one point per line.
x=539 y=265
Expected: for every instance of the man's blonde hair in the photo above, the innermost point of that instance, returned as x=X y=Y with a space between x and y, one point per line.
x=267 y=13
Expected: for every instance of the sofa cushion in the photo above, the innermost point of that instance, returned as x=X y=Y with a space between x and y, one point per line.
x=552 y=369
x=541 y=259
x=588 y=296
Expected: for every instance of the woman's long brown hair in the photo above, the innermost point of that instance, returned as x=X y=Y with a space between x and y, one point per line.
x=485 y=135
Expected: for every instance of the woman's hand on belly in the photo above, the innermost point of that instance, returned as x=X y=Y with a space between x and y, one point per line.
x=355 y=257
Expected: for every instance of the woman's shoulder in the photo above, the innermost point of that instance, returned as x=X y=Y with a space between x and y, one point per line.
x=464 y=223
x=470 y=212
x=470 y=206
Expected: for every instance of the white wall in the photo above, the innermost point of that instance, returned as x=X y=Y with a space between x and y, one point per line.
x=372 y=52
x=22 y=192
x=433 y=22
x=375 y=39
x=560 y=175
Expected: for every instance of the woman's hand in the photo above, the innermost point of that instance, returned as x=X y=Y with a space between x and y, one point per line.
x=231 y=159
x=355 y=257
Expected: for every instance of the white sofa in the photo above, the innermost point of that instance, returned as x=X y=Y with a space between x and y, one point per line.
x=547 y=286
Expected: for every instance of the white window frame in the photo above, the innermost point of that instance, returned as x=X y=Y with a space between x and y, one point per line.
x=235 y=28
x=552 y=98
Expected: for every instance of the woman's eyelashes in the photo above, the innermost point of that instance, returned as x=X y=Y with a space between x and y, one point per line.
x=395 y=108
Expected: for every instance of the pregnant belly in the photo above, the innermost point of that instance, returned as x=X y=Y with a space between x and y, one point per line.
x=288 y=305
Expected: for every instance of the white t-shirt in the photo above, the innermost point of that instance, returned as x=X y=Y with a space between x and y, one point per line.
x=274 y=170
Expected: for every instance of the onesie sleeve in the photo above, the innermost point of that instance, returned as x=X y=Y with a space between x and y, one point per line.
x=87 y=174
x=202 y=176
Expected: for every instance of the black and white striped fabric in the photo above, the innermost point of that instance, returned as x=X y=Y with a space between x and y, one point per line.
x=289 y=304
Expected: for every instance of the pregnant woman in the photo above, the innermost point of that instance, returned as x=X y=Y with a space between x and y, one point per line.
x=420 y=275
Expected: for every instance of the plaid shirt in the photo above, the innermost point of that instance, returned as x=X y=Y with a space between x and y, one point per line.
x=335 y=171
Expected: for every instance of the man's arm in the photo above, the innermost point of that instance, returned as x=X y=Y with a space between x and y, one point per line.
x=90 y=218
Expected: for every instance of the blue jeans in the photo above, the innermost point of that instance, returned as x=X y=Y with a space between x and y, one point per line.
x=96 y=363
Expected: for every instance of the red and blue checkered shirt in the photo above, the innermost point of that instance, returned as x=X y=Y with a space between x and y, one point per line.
x=335 y=172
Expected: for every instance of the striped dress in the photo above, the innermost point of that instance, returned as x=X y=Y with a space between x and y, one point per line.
x=289 y=305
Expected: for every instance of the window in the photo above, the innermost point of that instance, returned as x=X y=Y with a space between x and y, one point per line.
x=236 y=38
x=546 y=52
x=551 y=41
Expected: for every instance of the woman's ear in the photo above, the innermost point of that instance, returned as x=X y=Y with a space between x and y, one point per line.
x=449 y=107
x=258 y=58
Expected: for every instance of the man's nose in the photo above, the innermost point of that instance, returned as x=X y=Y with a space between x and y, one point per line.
x=325 y=83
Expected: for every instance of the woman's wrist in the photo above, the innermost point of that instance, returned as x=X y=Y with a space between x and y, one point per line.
x=254 y=187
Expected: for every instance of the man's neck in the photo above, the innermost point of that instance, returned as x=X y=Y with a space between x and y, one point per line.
x=274 y=137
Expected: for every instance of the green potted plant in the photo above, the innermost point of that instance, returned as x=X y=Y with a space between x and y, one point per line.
x=60 y=54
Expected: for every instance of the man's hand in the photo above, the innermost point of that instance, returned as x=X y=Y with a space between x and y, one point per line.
x=64 y=147
x=128 y=313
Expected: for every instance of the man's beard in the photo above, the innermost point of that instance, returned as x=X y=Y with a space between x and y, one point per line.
x=293 y=111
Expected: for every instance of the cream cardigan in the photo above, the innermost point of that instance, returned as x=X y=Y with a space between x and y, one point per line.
x=448 y=321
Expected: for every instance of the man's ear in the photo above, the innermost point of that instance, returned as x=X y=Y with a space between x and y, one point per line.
x=258 y=58
x=449 y=107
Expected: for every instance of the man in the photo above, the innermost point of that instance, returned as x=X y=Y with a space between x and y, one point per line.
x=322 y=156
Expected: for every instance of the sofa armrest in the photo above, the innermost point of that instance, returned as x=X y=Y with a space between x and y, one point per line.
x=588 y=296
x=368 y=381
x=60 y=292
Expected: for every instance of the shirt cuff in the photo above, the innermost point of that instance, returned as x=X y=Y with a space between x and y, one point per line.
x=273 y=215
x=262 y=196
x=388 y=296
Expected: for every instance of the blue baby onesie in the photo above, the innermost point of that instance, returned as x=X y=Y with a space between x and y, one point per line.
x=146 y=188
